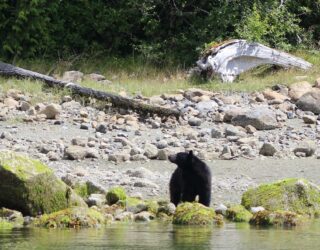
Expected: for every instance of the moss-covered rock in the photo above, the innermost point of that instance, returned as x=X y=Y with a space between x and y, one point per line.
x=85 y=189
x=71 y=218
x=115 y=194
x=5 y=224
x=13 y=217
x=195 y=214
x=29 y=186
x=295 y=195
x=238 y=213
x=277 y=218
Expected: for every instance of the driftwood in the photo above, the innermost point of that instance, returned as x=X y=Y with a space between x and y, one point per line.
x=9 y=70
x=231 y=58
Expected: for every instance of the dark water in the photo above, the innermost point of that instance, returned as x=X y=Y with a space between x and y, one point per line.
x=161 y=236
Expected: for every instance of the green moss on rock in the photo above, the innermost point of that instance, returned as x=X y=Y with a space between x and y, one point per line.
x=296 y=195
x=13 y=217
x=238 y=214
x=277 y=218
x=4 y=224
x=81 y=189
x=115 y=194
x=30 y=187
x=194 y=214
x=71 y=218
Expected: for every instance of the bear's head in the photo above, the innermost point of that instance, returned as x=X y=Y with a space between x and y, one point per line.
x=182 y=159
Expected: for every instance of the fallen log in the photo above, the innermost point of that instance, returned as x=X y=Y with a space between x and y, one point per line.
x=118 y=101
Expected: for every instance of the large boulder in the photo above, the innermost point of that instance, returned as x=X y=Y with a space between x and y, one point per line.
x=260 y=118
x=195 y=214
x=295 y=195
x=29 y=186
x=299 y=89
x=310 y=101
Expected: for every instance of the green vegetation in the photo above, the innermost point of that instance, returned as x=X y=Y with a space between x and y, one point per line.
x=295 y=195
x=29 y=186
x=136 y=77
x=238 y=213
x=195 y=214
x=71 y=218
x=277 y=218
x=158 y=31
x=116 y=194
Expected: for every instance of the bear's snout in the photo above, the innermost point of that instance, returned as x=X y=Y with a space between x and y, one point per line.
x=173 y=158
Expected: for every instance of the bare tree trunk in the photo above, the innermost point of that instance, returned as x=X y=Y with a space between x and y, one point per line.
x=9 y=70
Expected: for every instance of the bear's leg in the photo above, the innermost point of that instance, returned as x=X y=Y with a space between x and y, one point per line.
x=205 y=198
x=188 y=195
x=175 y=187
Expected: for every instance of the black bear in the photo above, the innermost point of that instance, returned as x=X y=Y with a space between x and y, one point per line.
x=191 y=178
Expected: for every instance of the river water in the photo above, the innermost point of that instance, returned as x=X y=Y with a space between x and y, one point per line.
x=164 y=236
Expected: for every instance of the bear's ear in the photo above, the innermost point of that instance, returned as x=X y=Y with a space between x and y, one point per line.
x=190 y=155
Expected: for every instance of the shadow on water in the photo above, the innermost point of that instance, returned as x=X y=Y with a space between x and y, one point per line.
x=164 y=236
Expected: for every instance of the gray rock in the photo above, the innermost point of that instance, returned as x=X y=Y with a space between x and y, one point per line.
x=96 y=200
x=53 y=156
x=309 y=119
x=163 y=154
x=136 y=151
x=145 y=183
x=216 y=133
x=267 y=149
x=52 y=111
x=72 y=76
x=124 y=216
x=162 y=144
x=79 y=141
x=95 y=77
x=232 y=112
x=102 y=128
x=310 y=101
x=119 y=157
x=157 y=100
x=194 y=121
x=221 y=209
x=24 y=106
x=6 y=135
x=140 y=173
x=92 y=153
x=234 y=131
x=75 y=152
x=206 y=106
x=84 y=126
x=138 y=157
x=143 y=216
x=260 y=118
x=167 y=208
x=137 y=208
x=306 y=147
x=150 y=151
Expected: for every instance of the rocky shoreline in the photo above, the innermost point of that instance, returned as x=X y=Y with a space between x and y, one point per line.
x=103 y=147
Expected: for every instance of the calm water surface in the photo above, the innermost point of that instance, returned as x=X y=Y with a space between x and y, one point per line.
x=164 y=236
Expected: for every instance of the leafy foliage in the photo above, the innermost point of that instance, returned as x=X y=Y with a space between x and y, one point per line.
x=159 y=31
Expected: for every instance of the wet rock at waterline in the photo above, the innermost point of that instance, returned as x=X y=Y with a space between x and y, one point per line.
x=195 y=214
x=30 y=187
x=295 y=195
